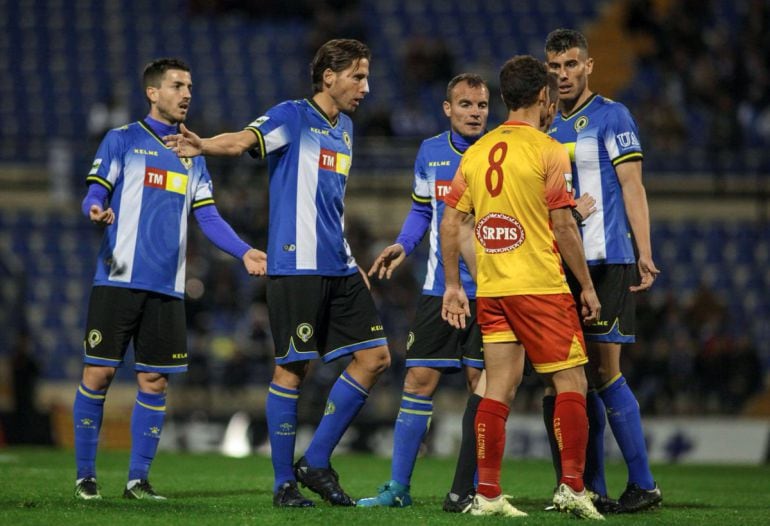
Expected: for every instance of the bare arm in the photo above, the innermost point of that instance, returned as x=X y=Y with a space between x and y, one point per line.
x=468 y=245
x=571 y=248
x=455 y=305
x=635 y=200
x=232 y=144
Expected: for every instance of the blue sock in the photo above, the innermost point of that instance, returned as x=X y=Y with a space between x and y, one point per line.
x=87 y=414
x=411 y=426
x=146 y=425
x=346 y=399
x=281 y=413
x=626 y=423
x=597 y=421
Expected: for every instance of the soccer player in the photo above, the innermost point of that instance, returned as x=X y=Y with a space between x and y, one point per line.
x=318 y=301
x=606 y=156
x=143 y=193
x=433 y=346
x=516 y=181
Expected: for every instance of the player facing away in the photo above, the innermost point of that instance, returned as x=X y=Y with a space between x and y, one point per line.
x=433 y=346
x=143 y=193
x=606 y=157
x=318 y=301
x=516 y=181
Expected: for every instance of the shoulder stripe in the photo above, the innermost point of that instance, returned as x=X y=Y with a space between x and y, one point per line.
x=260 y=138
x=420 y=199
x=95 y=179
x=633 y=156
x=203 y=202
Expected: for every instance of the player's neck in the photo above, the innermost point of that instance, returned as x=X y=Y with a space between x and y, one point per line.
x=327 y=105
x=569 y=106
x=530 y=115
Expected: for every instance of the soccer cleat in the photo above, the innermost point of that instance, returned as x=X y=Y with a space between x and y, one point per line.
x=391 y=495
x=579 y=504
x=324 y=481
x=288 y=496
x=637 y=499
x=603 y=503
x=141 y=490
x=86 y=489
x=453 y=503
x=496 y=506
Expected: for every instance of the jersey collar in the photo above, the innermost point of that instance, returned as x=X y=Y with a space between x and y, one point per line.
x=317 y=108
x=580 y=108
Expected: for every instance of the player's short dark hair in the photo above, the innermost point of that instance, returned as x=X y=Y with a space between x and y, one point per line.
x=521 y=79
x=154 y=71
x=337 y=55
x=473 y=80
x=553 y=87
x=561 y=40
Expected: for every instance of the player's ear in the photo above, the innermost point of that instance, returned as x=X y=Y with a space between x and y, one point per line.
x=542 y=97
x=152 y=94
x=447 y=109
x=589 y=65
x=328 y=77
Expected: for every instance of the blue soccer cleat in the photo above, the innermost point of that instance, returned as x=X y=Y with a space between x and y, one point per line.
x=391 y=495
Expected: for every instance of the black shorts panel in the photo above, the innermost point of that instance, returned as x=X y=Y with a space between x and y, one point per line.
x=155 y=322
x=321 y=316
x=618 y=315
x=432 y=342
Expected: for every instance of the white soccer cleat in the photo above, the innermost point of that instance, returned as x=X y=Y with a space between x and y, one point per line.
x=579 y=504
x=496 y=506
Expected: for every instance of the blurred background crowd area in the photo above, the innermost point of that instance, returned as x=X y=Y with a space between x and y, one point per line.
x=696 y=75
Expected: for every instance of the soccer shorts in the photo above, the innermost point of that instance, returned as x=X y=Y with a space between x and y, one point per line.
x=547 y=325
x=432 y=342
x=617 y=322
x=156 y=323
x=321 y=317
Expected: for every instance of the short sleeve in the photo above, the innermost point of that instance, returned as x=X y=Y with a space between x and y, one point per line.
x=621 y=136
x=275 y=129
x=558 y=177
x=459 y=196
x=203 y=193
x=108 y=160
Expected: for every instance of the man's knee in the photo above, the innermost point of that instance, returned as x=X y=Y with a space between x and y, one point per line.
x=421 y=380
x=153 y=383
x=290 y=375
x=97 y=377
x=374 y=361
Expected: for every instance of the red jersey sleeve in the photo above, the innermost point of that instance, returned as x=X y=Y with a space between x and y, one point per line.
x=558 y=177
x=459 y=196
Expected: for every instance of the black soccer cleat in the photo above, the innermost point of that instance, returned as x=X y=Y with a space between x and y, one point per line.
x=636 y=499
x=453 y=503
x=288 y=496
x=324 y=481
x=86 y=489
x=142 y=490
x=605 y=505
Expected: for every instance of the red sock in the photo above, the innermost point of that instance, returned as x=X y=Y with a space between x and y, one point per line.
x=490 y=444
x=570 y=425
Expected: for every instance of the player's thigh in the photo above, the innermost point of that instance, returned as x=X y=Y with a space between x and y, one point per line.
x=161 y=341
x=113 y=319
x=549 y=328
x=432 y=342
x=298 y=307
x=353 y=321
x=617 y=322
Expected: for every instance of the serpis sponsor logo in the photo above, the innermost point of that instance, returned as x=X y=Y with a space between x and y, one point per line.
x=499 y=233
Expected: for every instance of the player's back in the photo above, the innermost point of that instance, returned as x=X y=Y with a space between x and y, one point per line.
x=515 y=174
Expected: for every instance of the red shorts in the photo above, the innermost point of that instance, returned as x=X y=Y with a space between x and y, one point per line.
x=547 y=325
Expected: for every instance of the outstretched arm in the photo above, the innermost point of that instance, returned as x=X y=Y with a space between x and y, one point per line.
x=413 y=230
x=222 y=235
x=188 y=144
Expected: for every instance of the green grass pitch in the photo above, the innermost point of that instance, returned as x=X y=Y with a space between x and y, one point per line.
x=37 y=488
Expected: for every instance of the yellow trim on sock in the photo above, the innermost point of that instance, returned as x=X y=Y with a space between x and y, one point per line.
x=152 y=407
x=416 y=412
x=279 y=393
x=605 y=386
x=416 y=400
x=89 y=395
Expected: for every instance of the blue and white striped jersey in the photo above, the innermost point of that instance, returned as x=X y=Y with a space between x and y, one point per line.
x=308 y=162
x=600 y=135
x=434 y=168
x=152 y=192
